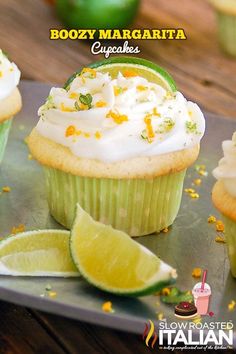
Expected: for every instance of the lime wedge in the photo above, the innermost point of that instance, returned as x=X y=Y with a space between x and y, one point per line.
x=137 y=66
x=37 y=253
x=110 y=260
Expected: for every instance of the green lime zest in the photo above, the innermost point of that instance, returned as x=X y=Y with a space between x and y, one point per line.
x=176 y=296
x=191 y=127
x=84 y=99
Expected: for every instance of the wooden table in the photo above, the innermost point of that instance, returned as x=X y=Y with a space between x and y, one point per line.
x=202 y=73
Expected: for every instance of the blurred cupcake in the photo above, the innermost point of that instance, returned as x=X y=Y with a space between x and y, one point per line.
x=224 y=196
x=226 y=17
x=119 y=146
x=10 y=98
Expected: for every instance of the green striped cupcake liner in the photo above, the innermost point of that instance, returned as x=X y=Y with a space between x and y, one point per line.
x=4 y=132
x=227 y=32
x=230 y=234
x=136 y=206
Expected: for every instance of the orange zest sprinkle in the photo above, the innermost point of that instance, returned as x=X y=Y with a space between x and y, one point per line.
x=73 y=95
x=66 y=109
x=168 y=95
x=6 y=189
x=129 y=73
x=194 y=195
x=117 y=90
x=90 y=71
x=149 y=128
x=189 y=190
x=202 y=173
x=78 y=132
x=87 y=135
x=52 y=294
x=17 y=229
x=83 y=106
x=220 y=226
x=197 y=181
x=196 y=273
x=165 y=230
x=155 y=113
x=107 y=307
x=160 y=316
x=232 y=305
x=71 y=130
x=165 y=291
x=101 y=104
x=98 y=135
x=1 y=74
x=220 y=239
x=141 y=88
x=118 y=118
x=211 y=219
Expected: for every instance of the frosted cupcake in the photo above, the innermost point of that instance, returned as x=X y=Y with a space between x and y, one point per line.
x=224 y=196
x=119 y=145
x=10 y=98
x=226 y=17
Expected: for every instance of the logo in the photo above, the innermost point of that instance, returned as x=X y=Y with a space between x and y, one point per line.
x=191 y=332
x=188 y=335
x=148 y=333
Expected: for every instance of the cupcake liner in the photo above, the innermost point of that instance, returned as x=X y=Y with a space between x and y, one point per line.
x=136 y=206
x=230 y=234
x=4 y=132
x=227 y=32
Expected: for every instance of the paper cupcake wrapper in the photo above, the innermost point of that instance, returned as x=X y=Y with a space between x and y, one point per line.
x=230 y=234
x=4 y=132
x=227 y=32
x=136 y=206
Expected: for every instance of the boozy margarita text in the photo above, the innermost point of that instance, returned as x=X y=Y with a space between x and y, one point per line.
x=116 y=34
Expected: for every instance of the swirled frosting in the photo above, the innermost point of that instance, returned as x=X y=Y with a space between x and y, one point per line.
x=9 y=76
x=117 y=119
x=226 y=170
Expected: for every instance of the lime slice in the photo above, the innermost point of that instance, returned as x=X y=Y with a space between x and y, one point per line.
x=37 y=253
x=110 y=260
x=137 y=66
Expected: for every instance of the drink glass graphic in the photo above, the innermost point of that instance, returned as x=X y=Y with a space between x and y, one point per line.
x=201 y=297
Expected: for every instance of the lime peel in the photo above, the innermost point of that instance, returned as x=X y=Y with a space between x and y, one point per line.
x=144 y=68
x=37 y=253
x=110 y=260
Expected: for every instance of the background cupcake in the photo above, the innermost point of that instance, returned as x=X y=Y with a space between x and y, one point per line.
x=10 y=98
x=224 y=196
x=226 y=17
x=119 y=144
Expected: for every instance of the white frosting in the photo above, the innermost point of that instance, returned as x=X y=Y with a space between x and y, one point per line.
x=226 y=170
x=177 y=123
x=9 y=76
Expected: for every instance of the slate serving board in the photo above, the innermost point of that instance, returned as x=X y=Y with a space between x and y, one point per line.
x=189 y=243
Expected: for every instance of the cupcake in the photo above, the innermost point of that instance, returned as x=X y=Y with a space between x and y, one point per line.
x=224 y=196
x=10 y=98
x=119 y=143
x=226 y=17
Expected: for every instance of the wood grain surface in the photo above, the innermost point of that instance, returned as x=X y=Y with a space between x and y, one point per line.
x=202 y=73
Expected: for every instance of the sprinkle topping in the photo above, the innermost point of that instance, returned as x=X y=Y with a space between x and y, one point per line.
x=71 y=130
x=107 y=307
x=97 y=105
x=92 y=73
x=118 y=118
